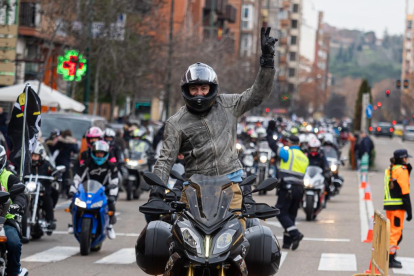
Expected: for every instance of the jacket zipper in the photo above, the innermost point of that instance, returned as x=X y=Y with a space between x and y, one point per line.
x=214 y=146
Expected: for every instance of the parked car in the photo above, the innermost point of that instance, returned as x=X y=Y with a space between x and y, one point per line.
x=408 y=134
x=384 y=129
x=399 y=130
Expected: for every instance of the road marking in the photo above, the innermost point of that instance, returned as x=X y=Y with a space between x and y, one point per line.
x=284 y=254
x=277 y=224
x=407 y=264
x=123 y=256
x=55 y=254
x=63 y=205
x=118 y=234
x=337 y=262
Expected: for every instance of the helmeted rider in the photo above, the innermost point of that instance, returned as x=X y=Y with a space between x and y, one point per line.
x=98 y=168
x=11 y=226
x=92 y=135
x=42 y=168
x=139 y=136
x=205 y=129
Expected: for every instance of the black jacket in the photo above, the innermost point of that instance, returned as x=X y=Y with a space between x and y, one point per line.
x=319 y=161
x=20 y=199
x=66 y=147
x=365 y=146
x=44 y=168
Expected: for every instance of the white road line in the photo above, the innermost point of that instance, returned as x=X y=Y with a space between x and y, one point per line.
x=63 y=205
x=337 y=262
x=320 y=239
x=123 y=256
x=55 y=254
x=407 y=264
x=118 y=234
x=277 y=224
x=282 y=260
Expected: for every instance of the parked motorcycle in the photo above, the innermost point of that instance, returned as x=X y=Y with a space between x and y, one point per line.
x=207 y=239
x=90 y=215
x=141 y=158
x=5 y=203
x=314 y=195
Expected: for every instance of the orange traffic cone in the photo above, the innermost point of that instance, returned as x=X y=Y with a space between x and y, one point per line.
x=369 y=270
x=370 y=234
x=367 y=195
x=363 y=180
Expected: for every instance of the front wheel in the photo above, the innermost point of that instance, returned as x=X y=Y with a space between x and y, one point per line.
x=309 y=207
x=85 y=236
x=261 y=179
x=129 y=189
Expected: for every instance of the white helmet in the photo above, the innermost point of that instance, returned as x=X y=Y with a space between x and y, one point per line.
x=314 y=143
x=329 y=139
x=40 y=150
x=302 y=138
x=261 y=132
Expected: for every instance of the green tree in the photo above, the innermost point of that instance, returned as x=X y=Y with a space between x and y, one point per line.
x=364 y=88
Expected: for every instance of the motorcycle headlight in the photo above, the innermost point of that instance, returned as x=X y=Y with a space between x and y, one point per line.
x=191 y=239
x=223 y=241
x=248 y=160
x=132 y=163
x=97 y=204
x=263 y=159
x=80 y=203
x=238 y=146
x=31 y=186
x=306 y=182
x=334 y=167
x=274 y=137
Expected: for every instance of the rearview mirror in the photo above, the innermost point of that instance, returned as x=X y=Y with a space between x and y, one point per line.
x=17 y=189
x=267 y=185
x=176 y=175
x=248 y=180
x=153 y=179
x=4 y=196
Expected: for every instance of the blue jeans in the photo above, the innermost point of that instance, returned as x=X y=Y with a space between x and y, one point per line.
x=14 y=250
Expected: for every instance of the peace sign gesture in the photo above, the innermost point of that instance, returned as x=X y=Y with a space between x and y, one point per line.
x=268 y=48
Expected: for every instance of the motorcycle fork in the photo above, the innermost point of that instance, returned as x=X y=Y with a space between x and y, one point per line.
x=221 y=273
x=190 y=271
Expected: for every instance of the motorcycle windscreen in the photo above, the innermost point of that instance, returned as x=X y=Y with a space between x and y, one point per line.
x=209 y=199
x=138 y=149
x=330 y=152
x=91 y=186
x=311 y=171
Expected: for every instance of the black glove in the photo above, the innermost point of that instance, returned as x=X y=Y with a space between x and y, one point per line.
x=409 y=168
x=409 y=217
x=157 y=192
x=272 y=125
x=111 y=199
x=15 y=209
x=407 y=206
x=268 y=49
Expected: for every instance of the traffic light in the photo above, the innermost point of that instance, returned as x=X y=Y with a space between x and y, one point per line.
x=406 y=83
x=394 y=122
x=379 y=104
x=387 y=93
x=267 y=110
x=398 y=84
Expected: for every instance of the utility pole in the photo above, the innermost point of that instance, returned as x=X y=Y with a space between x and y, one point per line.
x=88 y=62
x=169 y=62
x=212 y=11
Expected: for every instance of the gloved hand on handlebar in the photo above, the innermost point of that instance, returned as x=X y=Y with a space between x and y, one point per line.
x=15 y=209
x=157 y=193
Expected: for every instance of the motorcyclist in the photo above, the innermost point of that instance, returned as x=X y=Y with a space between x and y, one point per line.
x=205 y=129
x=139 y=137
x=98 y=168
x=42 y=167
x=12 y=227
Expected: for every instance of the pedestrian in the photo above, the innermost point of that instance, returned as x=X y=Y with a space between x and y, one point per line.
x=3 y=122
x=365 y=146
x=397 y=200
x=67 y=145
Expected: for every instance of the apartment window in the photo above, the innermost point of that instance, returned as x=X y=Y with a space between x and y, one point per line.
x=291 y=72
x=294 y=24
x=293 y=40
x=291 y=87
x=292 y=56
x=295 y=8
x=246 y=13
x=410 y=24
x=247 y=17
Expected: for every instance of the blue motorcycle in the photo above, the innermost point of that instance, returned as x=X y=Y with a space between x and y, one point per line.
x=90 y=216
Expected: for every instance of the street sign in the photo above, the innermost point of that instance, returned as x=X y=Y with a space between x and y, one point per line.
x=368 y=111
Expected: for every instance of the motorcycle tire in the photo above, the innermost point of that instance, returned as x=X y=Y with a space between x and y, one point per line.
x=25 y=228
x=129 y=190
x=309 y=207
x=137 y=193
x=36 y=232
x=85 y=236
x=261 y=179
x=96 y=248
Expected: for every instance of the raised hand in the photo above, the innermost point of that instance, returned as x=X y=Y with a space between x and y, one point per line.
x=268 y=48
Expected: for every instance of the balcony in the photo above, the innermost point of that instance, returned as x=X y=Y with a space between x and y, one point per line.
x=285 y=5
x=283 y=41
x=281 y=78
x=282 y=60
x=220 y=6
x=284 y=23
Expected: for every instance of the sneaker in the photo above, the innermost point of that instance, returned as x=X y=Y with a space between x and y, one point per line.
x=296 y=241
x=70 y=229
x=111 y=232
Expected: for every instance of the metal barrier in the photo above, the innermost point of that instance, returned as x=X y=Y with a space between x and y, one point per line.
x=380 y=246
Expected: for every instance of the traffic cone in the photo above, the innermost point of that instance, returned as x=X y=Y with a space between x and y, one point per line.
x=367 y=195
x=363 y=180
x=370 y=234
x=369 y=270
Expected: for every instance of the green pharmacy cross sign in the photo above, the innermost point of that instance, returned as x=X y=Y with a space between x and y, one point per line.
x=71 y=64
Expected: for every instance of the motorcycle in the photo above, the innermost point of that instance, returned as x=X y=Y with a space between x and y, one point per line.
x=314 y=195
x=266 y=166
x=5 y=203
x=90 y=215
x=208 y=239
x=335 y=162
x=34 y=222
x=141 y=158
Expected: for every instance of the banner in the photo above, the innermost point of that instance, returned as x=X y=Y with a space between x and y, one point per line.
x=32 y=128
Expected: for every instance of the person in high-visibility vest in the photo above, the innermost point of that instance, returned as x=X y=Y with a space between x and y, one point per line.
x=293 y=164
x=397 y=200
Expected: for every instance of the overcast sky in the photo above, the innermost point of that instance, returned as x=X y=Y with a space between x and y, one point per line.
x=365 y=15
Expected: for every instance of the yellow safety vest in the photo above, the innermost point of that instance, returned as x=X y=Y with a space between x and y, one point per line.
x=388 y=200
x=295 y=167
x=4 y=178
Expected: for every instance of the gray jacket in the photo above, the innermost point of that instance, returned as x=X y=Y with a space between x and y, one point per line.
x=208 y=140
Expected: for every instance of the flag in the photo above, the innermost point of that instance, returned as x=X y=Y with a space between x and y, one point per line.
x=32 y=128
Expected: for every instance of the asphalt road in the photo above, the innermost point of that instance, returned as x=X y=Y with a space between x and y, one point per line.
x=332 y=244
